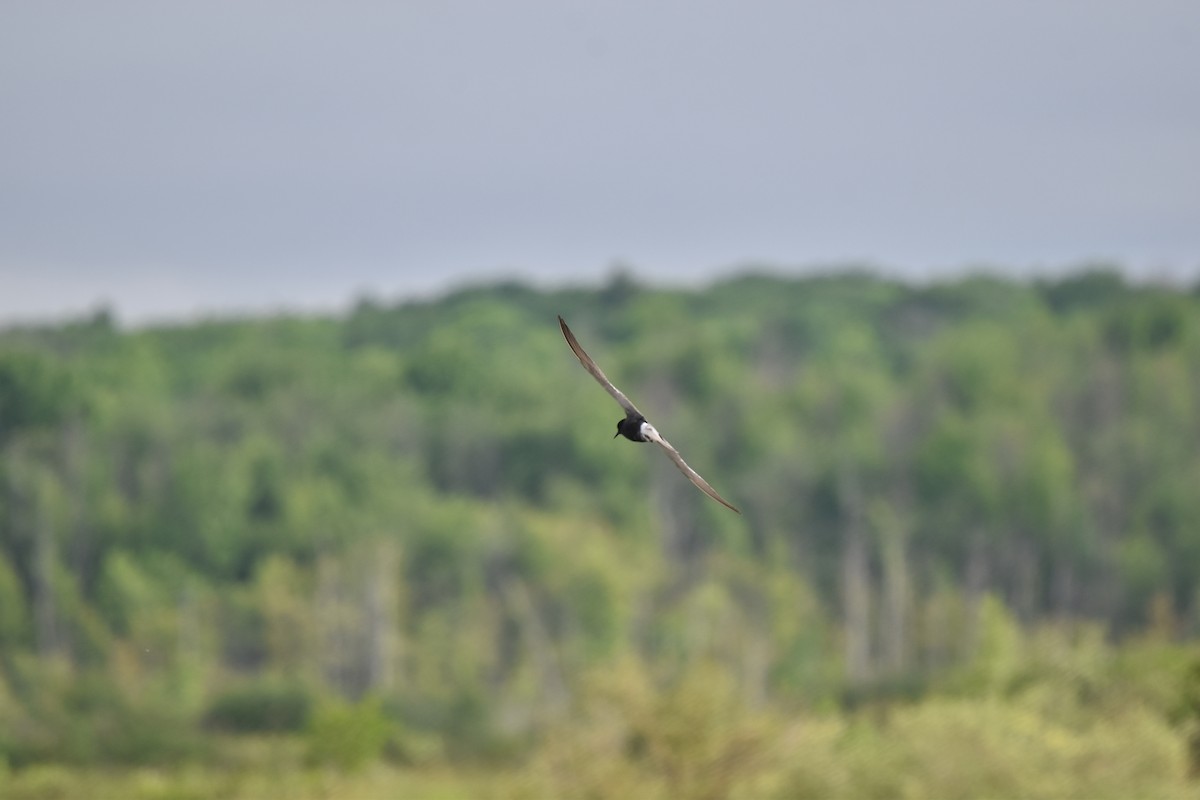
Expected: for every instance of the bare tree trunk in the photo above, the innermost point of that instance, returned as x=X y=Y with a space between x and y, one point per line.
x=381 y=617
x=30 y=530
x=188 y=639
x=897 y=590
x=945 y=626
x=975 y=584
x=856 y=587
x=555 y=693
x=1103 y=486
x=681 y=543
x=32 y=515
x=45 y=555
x=336 y=648
x=756 y=668
x=1027 y=575
x=79 y=552
x=1064 y=589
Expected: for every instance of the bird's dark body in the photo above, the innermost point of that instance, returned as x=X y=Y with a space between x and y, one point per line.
x=631 y=428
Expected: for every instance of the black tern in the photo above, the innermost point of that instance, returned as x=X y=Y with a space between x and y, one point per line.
x=634 y=427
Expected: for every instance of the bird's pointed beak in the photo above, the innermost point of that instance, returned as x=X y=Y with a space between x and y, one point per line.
x=615 y=435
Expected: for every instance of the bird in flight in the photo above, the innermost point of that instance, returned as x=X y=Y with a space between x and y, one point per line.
x=634 y=426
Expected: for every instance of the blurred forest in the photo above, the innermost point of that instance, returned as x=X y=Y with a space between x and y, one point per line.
x=398 y=552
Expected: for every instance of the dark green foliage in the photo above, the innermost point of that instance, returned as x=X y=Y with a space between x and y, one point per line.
x=36 y=392
x=1085 y=290
x=263 y=706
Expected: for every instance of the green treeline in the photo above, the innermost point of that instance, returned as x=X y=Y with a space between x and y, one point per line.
x=971 y=514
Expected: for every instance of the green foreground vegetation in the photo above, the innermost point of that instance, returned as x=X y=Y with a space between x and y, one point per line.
x=397 y=553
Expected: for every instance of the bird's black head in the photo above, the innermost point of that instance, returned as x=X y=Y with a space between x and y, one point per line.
x=620 y=427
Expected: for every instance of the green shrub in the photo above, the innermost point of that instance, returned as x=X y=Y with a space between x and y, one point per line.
x=348 y=736
x=983 y=748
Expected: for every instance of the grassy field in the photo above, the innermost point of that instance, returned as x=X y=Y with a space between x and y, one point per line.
x=244 y=768
x=692 y=747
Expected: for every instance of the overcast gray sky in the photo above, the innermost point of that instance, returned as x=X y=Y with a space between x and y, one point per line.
x=179 y=158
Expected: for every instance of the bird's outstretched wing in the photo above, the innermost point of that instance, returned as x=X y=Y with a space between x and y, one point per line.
x=693 y=476
x=596 y=372
x=647 y=430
